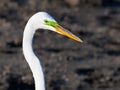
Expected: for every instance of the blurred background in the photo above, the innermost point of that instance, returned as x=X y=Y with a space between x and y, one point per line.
x=67 y=64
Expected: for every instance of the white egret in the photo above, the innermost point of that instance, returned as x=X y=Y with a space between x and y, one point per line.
x=40 y=20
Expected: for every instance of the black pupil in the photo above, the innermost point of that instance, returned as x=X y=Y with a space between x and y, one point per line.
x=46 y=20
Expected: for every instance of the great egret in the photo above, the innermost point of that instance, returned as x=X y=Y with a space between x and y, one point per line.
x=40 y=20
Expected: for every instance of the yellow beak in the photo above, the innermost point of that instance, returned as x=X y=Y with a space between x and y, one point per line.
x=67 y=33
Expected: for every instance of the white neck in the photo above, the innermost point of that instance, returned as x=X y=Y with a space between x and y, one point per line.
x=31 y=59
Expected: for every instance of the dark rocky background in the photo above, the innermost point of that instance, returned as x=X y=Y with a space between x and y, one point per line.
x=68 y=65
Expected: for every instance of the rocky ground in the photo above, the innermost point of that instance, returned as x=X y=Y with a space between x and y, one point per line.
x=67 y=65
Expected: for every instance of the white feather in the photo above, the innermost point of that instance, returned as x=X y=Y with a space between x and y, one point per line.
x=34 y=23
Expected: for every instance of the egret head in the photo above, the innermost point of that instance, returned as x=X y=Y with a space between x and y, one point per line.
x=45 y=21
